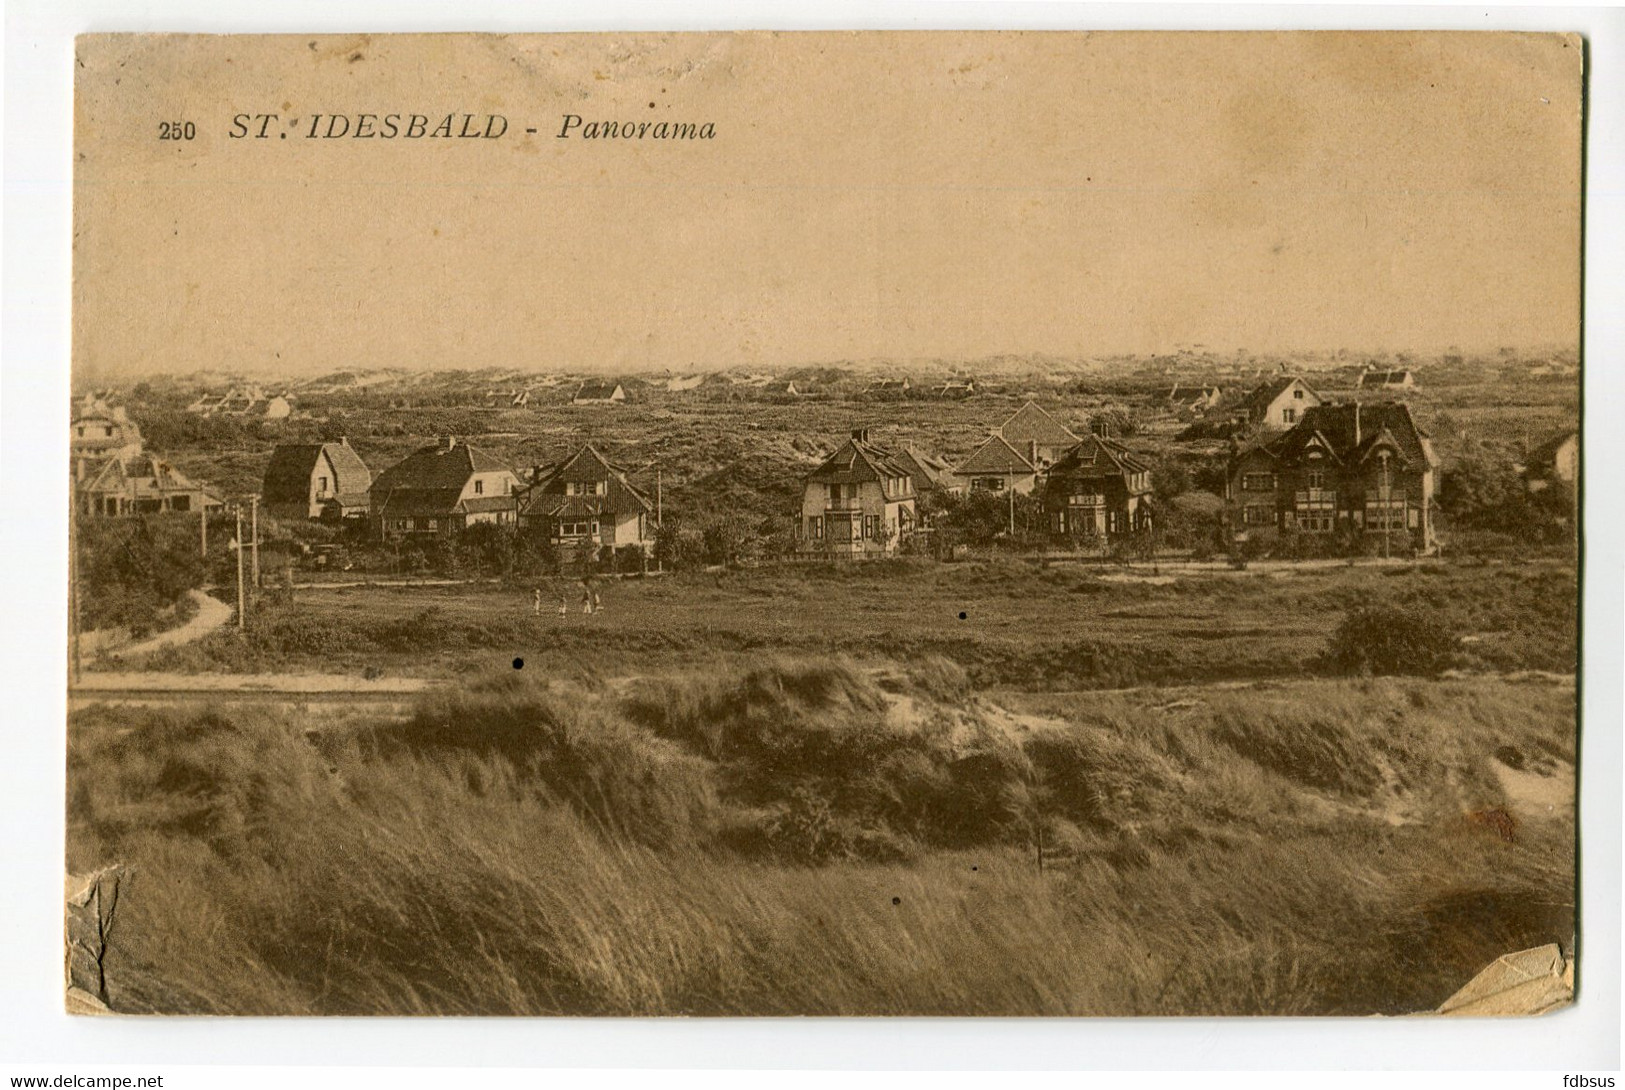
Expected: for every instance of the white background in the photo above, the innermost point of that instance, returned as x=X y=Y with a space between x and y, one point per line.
x=36 y=1038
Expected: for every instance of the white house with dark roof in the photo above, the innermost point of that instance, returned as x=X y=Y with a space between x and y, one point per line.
x=444 y=488
x=1193 y=398
x=1377 y=378
x=316 y=480
x=243 y=401
x=587 y=501
x=1279 y=404
x=859 y=501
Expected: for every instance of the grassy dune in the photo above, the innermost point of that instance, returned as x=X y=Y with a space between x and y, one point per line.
x=814 y=838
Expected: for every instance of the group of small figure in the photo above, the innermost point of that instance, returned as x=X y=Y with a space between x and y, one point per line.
x=591 y=600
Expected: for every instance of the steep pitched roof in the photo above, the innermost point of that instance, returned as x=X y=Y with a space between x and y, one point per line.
x=857 y=460
x=1031 y=424
x=143 y=475
x=1350 y=431
x=995 y=456
x=549 y=496
x=1096 y=455
x=353 y=474
x=598 y=391
x=287 y=476
x=1258 y=401
x=926 y=469
x=437 y=466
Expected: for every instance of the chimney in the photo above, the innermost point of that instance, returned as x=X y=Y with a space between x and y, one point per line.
x=448 y=443
x=861 y=434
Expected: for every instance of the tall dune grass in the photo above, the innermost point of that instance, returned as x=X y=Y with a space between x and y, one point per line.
x=806 y=838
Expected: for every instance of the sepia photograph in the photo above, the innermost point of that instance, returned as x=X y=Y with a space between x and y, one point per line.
x=874 y=523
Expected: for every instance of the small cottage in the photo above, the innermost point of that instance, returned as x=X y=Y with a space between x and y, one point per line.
x=599 y=393
x=316 y=481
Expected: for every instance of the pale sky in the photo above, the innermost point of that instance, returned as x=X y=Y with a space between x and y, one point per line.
x=870 y=196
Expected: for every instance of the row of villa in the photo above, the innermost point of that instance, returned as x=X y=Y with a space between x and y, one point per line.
x=1311 y=466
x=446 y=487
x=864 y=498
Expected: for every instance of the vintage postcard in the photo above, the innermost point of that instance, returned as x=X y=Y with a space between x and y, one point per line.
x=825 y=524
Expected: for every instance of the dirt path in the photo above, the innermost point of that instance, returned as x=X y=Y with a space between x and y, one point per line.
x=211 y=614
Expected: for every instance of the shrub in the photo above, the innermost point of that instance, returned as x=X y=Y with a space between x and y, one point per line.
x=1391 y=640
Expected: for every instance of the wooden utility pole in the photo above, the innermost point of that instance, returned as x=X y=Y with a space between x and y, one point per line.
x=238 y=544
x=1387 y=503
x=203 y=528
x=254 y=539
x=1010 y=487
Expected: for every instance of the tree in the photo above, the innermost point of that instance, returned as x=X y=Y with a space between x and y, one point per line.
x=723 y=538
x=670 y=543
x=1479 y=490
x=981 y=518
x=131 y=569
x=488 y=549
x=1170 y=478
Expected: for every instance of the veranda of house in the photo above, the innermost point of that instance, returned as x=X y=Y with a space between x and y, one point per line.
x=1101 y=505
